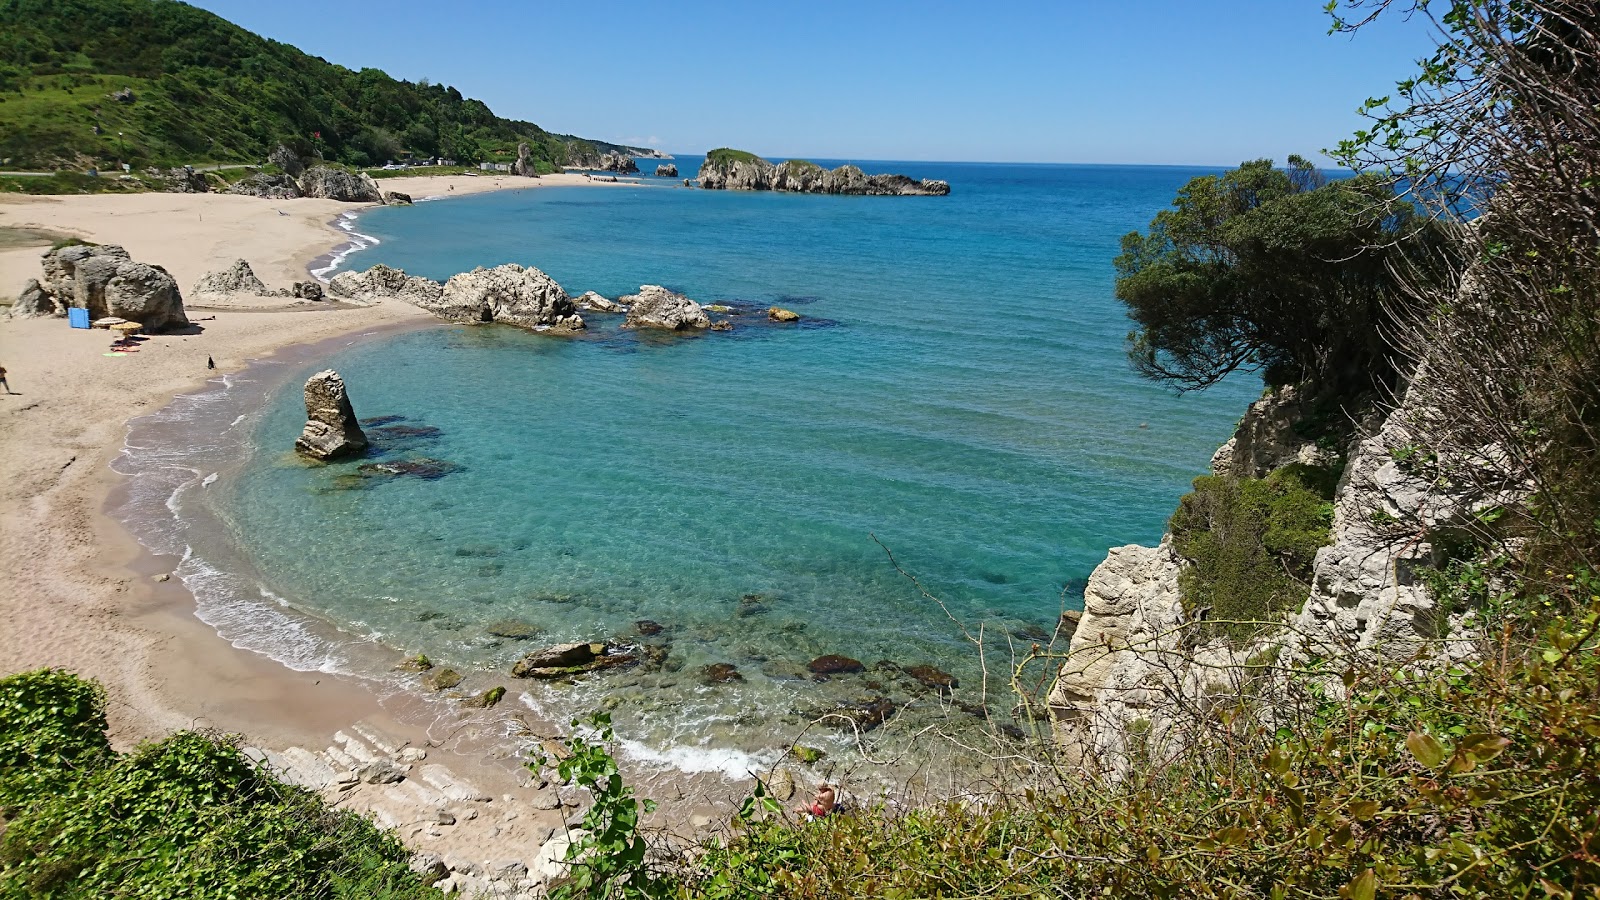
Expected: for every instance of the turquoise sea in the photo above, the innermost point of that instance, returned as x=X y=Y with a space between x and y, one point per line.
x=957 y=393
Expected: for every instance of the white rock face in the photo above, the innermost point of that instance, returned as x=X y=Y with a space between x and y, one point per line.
x=1128 y=663
x=107 y=282
x=381 y=282
x=331 y=428
x=510 y=294
x=656 y=307
x=238 y=278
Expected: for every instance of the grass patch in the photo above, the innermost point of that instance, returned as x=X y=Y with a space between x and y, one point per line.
x=723 y=156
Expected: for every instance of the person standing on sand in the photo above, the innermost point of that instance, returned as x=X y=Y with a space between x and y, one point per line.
x=210 y=363
x=3 y=383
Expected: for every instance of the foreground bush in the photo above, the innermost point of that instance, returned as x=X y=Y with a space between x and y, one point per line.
x=1468 y=783
x=189 y=816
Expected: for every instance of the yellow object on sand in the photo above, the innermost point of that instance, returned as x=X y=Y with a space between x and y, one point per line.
x=129 y=327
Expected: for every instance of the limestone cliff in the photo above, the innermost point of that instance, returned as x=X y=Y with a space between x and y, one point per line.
x=1137 y=664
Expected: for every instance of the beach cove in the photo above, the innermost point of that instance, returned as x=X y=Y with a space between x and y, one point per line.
x=1008 y=419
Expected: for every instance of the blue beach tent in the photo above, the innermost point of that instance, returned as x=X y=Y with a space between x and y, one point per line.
x=78 y=318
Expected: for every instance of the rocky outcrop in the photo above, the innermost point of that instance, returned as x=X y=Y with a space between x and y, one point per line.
x=734 y=171
x=36 y=301
x=238 y=278
x=1136 y=665
x=332 y=430
x=396 y=198
x=670 y=170
x=107 y=282
x=779 y=314
x=524 y=164
x=286 y=160
x=329 y=183
x=381 y=282
x=1267 y=439
x=510 y=294
x=656 y=307
x=270 y=187
x=593 y=302
x=619 y=163
x=307 y=290
x=564 y=660
x=182 y=180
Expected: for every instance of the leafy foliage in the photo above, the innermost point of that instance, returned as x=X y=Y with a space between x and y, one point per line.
x=723 y=156
x=1264 y=269
x=608 y=860
x=52 y=730
x=205 y=89
x=1250 y=543
x=189 y=816
x=1474 y=783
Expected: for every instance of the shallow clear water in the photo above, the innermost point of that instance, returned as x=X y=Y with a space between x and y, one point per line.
x=957 y=389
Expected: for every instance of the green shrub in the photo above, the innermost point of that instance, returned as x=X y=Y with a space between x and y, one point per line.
x=1250 y=543
x=1474 y=783
x=52 y=731
x=189 y=816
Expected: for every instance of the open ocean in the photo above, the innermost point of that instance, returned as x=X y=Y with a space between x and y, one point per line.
x=957 y=390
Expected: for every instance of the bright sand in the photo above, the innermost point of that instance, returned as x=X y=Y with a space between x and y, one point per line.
x=79 y=592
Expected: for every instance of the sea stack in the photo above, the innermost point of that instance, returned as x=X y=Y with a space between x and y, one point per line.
x=331 y=428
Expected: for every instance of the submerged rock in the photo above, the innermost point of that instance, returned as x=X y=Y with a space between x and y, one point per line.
x=514 y=629
x=864 y=714
x=779 y=314
x=929 y=676
x=441 y=679
x=331 y=429
x=561 y=660
x=648 y=628
x=656 y=307
x=721 y=673
x=487 y=699
x=834 y=664
x=423 y=467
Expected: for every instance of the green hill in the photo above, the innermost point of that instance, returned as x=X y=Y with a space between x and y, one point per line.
x=205 y=90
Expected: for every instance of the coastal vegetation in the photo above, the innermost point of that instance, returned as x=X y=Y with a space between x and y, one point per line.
x=99 y=82
x=187 y=816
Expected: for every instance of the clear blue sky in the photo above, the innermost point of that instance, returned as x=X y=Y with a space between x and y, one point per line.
x=1134 y=81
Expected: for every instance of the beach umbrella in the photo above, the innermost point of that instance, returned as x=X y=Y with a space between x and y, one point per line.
x=126 y=327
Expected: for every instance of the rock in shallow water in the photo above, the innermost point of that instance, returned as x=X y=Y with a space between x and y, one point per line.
x=331 y=429
x=656 y=307
x=834 y=664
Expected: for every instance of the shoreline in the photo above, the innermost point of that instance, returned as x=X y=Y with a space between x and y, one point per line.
x=163 y=668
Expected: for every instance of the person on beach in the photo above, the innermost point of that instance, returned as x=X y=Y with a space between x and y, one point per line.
x=825 y=802
x=3 y=383
x=210 y=363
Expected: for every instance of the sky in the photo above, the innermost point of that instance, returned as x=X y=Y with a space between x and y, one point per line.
x=1203 y=82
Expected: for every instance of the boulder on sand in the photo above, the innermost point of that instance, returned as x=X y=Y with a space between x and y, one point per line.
x=656 y=307
x=107 y=282
x=336 y=184
x=238 y=278
x=331 y=428
x=380 y=282
x=36 y=301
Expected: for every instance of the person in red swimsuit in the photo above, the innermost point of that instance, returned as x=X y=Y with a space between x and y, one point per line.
x=824 y=803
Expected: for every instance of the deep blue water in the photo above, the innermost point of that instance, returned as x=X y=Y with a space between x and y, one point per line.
x=958 y=389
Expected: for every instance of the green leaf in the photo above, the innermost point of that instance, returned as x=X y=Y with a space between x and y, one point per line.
x=1362 y=887
x=1425 y=748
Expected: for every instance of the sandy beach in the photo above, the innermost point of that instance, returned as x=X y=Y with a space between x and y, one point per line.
x=81 y=594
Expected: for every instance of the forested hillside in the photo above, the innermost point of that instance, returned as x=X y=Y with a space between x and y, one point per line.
x=205 y=90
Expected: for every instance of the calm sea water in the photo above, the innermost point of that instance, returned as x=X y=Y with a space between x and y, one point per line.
x=957 y=391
